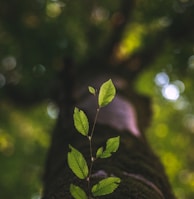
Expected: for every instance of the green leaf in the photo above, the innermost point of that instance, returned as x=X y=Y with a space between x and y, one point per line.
x=105 y=186
x=99 y=152
x=92 y=90
x=107 y=93
x=81 y=121
x=112 y=146
x=77 y=192
x=77 y=163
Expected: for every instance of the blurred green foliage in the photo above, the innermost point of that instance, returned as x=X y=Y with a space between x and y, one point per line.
x=35 y=36
x=24 y=139
x=171 y=130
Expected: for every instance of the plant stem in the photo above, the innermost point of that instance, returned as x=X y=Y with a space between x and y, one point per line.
x=95 y=120
x=91 y=152
x=92 y=132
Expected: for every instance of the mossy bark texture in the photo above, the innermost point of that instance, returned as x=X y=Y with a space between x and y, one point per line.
x=141 y=172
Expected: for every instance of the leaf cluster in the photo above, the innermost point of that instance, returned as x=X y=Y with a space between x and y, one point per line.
x=76 y=161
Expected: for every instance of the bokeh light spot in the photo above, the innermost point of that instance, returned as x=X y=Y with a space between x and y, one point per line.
x=171 y=92
x=171 y=163
x=180 y=85
x=9 y=63
x=191 y=62
x=99 y=14
x=53 y=9
x=161 y=130
x=6 y=144
x=181 y=103
x=161 y=79
x=36 y=196
x=165 y=21
x=188 y=122
x=39 y=69
x=52 y=110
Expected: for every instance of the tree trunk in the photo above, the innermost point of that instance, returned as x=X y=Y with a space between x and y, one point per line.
x=141 y=172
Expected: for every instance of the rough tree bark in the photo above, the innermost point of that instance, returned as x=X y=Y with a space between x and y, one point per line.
x=142 y=173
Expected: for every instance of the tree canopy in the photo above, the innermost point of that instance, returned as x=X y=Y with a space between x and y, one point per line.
x=152 y=40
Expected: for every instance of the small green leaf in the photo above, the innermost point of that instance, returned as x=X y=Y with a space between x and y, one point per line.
x=105 y=186
x=99 y=152
x=107 y=93
x=77 y=192
x=92 y=90
x=81 y=121
x=77 y=163
x=112 y=146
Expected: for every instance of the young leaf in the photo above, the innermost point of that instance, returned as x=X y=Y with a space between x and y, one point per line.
x=92 y=90
x=105 y=186
x=107 y=93
x=112 y=146
x=81 y=121
x=77 y=192
x=99 y=152
x=77 y=163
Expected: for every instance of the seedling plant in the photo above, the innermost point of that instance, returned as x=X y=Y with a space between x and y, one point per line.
x=76 y=160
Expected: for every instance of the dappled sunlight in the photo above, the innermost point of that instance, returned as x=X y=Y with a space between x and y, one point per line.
x=135 y=36
x=172 y=163
x=24 y=140
x=169 y=90
x=54 y=8
x=30 y=129
x=131 y=41
x=171 y=130
x=181 y=141
x=187 y=177
x=7 y=145
x=162 y=130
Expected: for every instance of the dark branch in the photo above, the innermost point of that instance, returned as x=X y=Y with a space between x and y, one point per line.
x=120 y=21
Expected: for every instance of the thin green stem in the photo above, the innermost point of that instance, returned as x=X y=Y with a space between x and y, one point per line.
x=92 y=159
x=95 y=120
x=92 y=132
